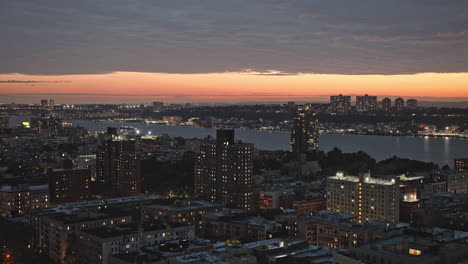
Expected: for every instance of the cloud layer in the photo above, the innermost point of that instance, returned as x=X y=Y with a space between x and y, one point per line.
x=272 y=37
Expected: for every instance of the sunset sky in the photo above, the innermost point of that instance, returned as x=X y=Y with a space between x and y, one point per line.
x=232 y=51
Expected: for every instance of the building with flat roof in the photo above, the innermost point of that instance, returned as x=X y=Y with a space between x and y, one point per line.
x=424 y=246
x=305 y=131
x=180 y=211
x=366 y=103
x=366 y=197
x=223 y=171
x=17 y=200
x=97 y=244
x=340 y=103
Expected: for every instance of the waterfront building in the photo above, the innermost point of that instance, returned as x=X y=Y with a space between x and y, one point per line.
x=412 y=103
x=340 y=103
x=386 y=104
x=399 y=104
x=366 y=103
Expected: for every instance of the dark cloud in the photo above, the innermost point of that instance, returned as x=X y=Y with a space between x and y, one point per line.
x=186 y=36
x=28 y=81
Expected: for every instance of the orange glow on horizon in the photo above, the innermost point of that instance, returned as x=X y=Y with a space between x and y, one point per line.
x=238 y=86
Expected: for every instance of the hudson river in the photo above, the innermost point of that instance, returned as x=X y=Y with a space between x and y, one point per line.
x=431 y=149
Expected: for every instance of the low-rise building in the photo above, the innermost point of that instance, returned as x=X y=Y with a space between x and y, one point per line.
x=17 y=200
x=337 y=230
x=236 y=225
x=179 y=211
x=97 y=244
x=424 y=246
x=457 y=183
x=53 y=228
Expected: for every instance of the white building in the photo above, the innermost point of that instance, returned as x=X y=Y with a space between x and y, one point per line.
x=363 y=196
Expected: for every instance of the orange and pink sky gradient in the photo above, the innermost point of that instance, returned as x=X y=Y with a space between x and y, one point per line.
x=247 y=86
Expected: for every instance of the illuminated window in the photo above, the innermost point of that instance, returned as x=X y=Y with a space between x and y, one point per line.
x=415 y=252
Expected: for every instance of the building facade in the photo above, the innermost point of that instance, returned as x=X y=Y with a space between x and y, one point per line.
x=305 y=132
x=363 y=196
x=399 y=104
x=366 y=103
x=118 y=167
x=223 y=172
x=412 y=103
x=386 y=104
x=18 y=200
x=69 y=185
x=340 y=103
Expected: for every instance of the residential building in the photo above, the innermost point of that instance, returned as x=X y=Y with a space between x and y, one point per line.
x=399 y=104
x=305 y=131
x=47 y=125
x=337 y=230
x=118 y=166
x=366 y=197
x=386 y=104
x=457 y=183
x=421 y=246
x=223 y=171
x=412 y=103
x=69 y=185
x=55 y=227
x=366 y=103
x=236 y=225
x=4 y=121
x=158 y=106
x=96 y=245
x=18 y=200
x=180 y=211
x=340 y=103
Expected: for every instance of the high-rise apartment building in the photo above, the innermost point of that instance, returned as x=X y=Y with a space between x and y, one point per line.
x=412 y=103
x=305 y=132
x=366 y=197
x=158 y=106
x=386 y=104
x=4 y=120
x=366 y=103
x=118 y=166
x=46 y=124
x=69 y=184
x=44 y=103
x=340 y=103
x=223 y=171
x=399 y=104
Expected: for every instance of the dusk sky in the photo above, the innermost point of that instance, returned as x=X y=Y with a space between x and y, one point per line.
x=232 y=51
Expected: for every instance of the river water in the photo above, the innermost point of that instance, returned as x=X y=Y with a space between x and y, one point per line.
x=430 y=149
